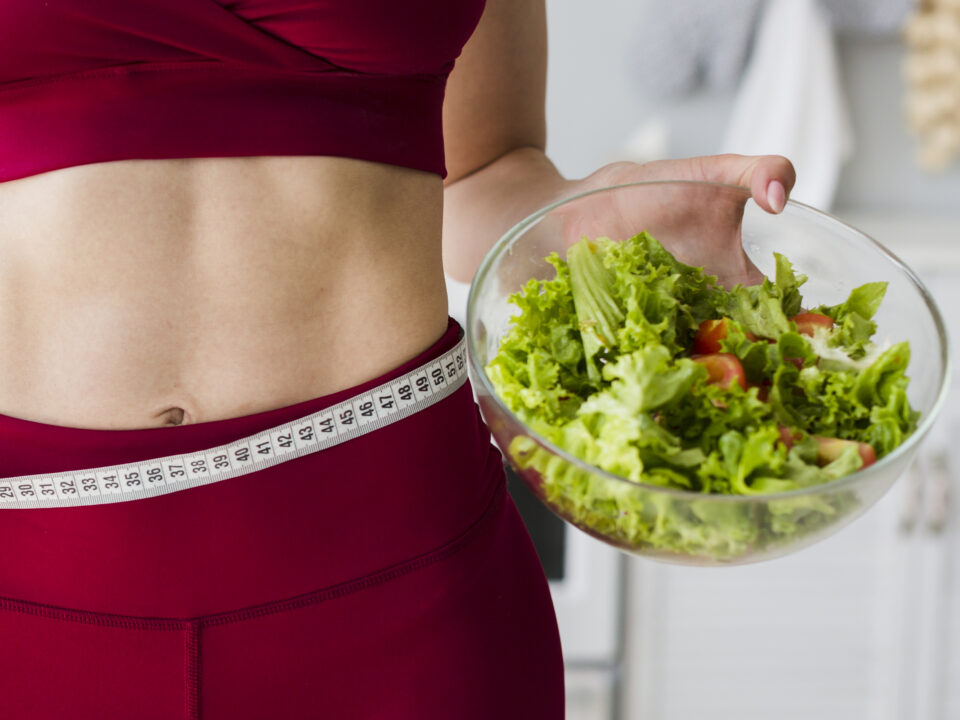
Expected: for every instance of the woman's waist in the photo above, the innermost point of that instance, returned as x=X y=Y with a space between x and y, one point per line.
x=307 y=522
x=101 y=360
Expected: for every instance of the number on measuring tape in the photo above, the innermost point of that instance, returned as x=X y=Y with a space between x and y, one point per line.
x=304 y=435
x=421 y=385
x=174 y=470
x=346 y=419
x=88 y=485
x=283 y=441
x=25 y=490
x=403 y=392
x=386 y=402
x=366 y=410
x=326 y=425
x=240 y=455
x=109 y=482
x=6 y=493
x=197 y=468
x=262 y=449
x=152 y=475
x=46 y=488
x=66 y=487
x=218 y=461
x=130 y=481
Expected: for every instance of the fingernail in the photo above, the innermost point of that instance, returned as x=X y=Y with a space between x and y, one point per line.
x=776 y=195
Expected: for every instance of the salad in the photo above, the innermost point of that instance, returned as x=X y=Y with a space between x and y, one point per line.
x=643 y=366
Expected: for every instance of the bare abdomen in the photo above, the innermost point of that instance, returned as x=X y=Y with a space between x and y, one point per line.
x=143 y=293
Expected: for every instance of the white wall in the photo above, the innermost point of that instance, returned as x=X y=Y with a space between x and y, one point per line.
x=593 y=105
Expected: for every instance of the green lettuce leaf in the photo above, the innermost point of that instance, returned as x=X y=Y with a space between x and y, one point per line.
x=765 y=309
x=789 y=284
x=853 y=318
x=598 y=309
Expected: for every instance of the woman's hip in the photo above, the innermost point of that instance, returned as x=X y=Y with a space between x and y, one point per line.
x=466 y=630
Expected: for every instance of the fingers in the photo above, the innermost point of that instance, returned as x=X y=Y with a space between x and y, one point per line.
x=769 y=177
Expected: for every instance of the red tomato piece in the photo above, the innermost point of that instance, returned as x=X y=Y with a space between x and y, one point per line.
x=708 y=337
x=723 y=369
x=829 y=449
x=710 y=333
x=788 y=436
x=807 y=322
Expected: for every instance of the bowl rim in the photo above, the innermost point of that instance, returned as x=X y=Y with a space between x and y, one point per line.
x=854 y=478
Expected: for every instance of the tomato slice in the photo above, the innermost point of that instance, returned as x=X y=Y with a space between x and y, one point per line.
x=710 y=333
x=808 y=322
x=788 y=436
x=708 y=337
x=829 y=449
x=723 y=369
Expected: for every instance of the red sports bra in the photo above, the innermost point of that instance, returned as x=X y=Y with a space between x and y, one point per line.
x=86 y=81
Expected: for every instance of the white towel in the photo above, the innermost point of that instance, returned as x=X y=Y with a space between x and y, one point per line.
x=790 y=101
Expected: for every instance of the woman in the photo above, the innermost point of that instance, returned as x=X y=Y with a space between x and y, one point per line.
x=218 y=219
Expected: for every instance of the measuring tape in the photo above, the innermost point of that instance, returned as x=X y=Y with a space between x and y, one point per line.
x=385 y=404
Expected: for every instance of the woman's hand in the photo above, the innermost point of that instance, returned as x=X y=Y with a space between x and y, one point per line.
x=700 y=224
x=770 y=178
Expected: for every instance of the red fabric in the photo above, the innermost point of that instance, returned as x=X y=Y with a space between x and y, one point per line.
x=84 y=81
x=387 y=577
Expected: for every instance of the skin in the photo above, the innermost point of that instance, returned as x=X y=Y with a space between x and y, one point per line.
x=145 y=293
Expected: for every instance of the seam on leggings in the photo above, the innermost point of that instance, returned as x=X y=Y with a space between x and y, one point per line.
x=191 y=670
x=124 y=622
x=378 y=577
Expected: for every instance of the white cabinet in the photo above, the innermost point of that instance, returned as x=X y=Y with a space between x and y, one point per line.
x=808 y=636
x=863 y=626
x=946 y=650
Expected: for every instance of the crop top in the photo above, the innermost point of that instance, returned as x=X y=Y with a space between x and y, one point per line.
x=86 y=81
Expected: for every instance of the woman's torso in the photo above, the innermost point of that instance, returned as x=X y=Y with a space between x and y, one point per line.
x=143 y=293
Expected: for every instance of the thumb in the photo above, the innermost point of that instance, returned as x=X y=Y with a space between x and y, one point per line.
x=769 y=177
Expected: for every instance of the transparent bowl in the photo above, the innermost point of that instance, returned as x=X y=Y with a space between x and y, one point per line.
x=690 y=527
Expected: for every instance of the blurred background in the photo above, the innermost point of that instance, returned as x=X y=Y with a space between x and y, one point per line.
x=864 y=97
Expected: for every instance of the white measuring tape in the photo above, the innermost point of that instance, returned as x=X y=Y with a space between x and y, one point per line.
x=385 y=404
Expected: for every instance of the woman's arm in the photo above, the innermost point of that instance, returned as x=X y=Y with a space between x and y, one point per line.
x=495 y=137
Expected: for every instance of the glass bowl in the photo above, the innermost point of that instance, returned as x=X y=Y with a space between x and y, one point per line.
x=681 y=526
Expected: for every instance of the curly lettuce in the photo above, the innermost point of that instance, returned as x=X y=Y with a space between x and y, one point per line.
x=598 y=361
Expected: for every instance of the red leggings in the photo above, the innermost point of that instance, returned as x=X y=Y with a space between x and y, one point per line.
x=387 y=577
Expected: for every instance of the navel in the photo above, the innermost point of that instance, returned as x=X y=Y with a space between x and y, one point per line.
x=173 y=416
